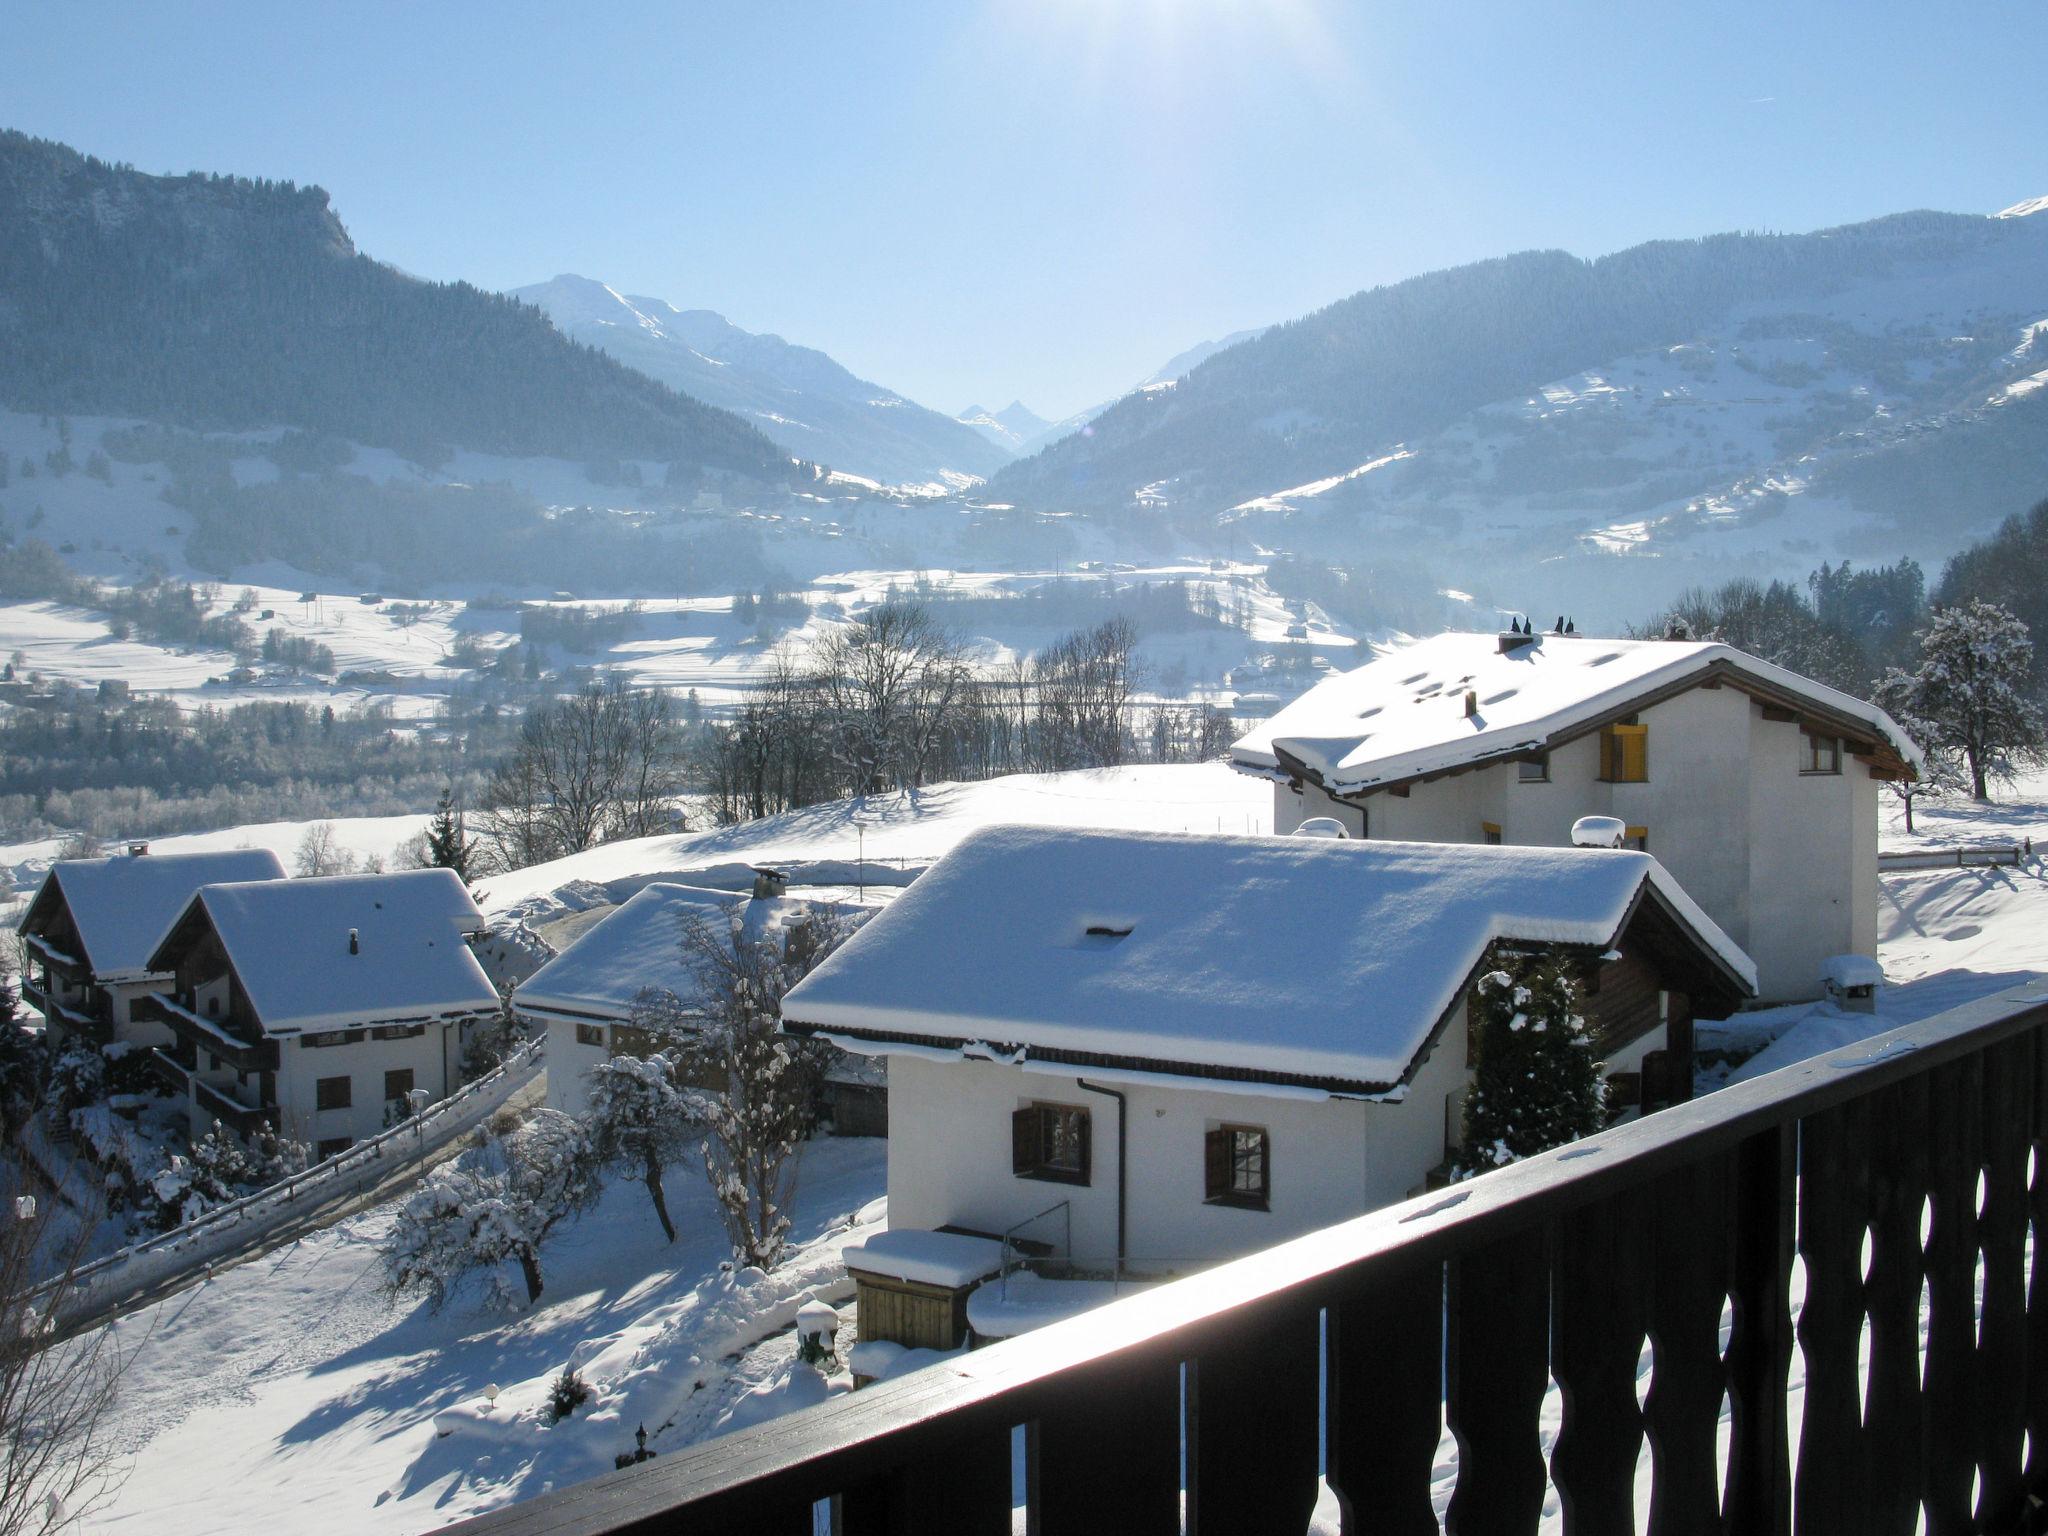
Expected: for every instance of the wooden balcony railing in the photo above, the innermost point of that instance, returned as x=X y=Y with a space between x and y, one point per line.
x=1345 y=1349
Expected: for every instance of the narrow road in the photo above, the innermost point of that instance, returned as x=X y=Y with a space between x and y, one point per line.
x=313 y=1216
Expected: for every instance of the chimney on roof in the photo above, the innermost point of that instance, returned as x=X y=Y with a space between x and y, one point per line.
x=354 y=945
x=1599 y=832
x=769 y=883
x=1471 y=703
x=1516 y=635
x=137 y=850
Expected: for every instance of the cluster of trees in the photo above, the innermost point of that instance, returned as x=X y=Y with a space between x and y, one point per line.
x=141 y=767
x=720 y=1086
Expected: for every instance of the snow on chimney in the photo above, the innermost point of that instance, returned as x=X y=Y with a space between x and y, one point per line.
x=1518 y=634
x=769 y=883
x=354 y=945
x=1599 y=832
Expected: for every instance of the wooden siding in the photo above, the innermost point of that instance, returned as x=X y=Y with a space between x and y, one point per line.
x=911 y=1314
x=1621 y=1001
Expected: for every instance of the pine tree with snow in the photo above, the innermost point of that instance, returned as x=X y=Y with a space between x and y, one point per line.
x=1972 y=691
x=1537 y=1082
x=638 y=1120
x=448 y=837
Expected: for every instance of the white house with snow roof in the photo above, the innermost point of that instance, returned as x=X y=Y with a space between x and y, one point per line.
x=586 y=997
x=320 y=1006
x=88 y=932
x=1157 y=1051
x=1756 y=787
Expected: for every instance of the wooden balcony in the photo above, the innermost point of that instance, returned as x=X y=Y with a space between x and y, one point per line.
x=208 y=1035
x=242 y=1119
x=1467 y=1302
x=66 y=1005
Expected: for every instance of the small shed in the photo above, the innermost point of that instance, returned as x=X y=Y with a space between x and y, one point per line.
x=911 y=1288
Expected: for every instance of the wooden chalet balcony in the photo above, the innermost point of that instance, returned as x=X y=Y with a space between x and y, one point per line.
x=1470 y=1300
x=209 y=1035
x=62 y=1002
x=242 y=1119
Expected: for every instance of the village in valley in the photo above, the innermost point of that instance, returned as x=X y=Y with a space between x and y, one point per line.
x=1424 y=915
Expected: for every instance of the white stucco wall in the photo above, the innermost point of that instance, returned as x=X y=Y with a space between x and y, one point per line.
x=569 y=1065
x=949 y=1158
x=432 y=1057
x=1785 y=862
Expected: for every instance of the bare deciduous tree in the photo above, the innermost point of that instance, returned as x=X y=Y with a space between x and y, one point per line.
x=320 y=852
x=56 y=1463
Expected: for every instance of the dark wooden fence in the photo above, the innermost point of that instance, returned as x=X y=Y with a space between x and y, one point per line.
x=1902 y=1173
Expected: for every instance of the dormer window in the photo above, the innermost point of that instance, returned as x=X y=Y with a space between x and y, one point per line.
x=1823 y=754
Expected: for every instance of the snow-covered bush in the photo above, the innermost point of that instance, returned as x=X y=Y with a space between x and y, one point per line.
x=486 y=1043
x=1537 y=1083
x=497 y=1203
x=639 y=1121
x=77 y=1078
x=566 y=1394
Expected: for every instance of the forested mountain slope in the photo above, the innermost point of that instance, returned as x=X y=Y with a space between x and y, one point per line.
x=798 y=396
x=221 y=303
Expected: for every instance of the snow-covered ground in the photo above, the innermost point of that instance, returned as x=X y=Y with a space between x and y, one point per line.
x=291 y=1391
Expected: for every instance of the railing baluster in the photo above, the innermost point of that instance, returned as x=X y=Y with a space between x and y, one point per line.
x=1892 y=1418
x=1252 y=1450
x=959 y=1487
x=1833 y=1199
x=1686 y=1281
x=1599 y=1313
x=2037 y=1293
x=1105 y=1455
x=1386 y=1373
x=1498 y=1352
x=2002 y=1233
x=1759 y=1498
x=1955 y=1101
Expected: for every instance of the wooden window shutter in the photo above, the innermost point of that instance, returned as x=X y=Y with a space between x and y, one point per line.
x=1215 y=1165
x=1027 y=1148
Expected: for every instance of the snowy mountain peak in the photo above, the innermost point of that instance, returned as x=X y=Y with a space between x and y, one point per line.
x=2021 y=210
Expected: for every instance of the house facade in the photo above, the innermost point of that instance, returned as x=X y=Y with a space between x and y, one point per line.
x=326 y=1008
x=1755 y=787
x=586 y=997
x=88 y=932
x=1147 y=1053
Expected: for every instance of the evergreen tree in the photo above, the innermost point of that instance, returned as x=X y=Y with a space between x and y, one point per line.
x=1537 y=1084
x=448 y=837
x=1973 y=691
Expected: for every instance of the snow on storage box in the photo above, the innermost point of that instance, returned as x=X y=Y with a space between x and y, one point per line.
x=950 y=1259
x=1407 y=714
x=122 y=905
x=1305 y=957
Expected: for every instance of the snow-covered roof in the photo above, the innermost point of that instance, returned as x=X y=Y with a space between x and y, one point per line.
x=639 y=946
x=1305 y=958
x=1403 y=715
x=122 y=905
x=288 y=941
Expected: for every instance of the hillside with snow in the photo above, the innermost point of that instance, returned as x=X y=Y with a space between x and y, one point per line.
x=797 y=396
x=1670 y=413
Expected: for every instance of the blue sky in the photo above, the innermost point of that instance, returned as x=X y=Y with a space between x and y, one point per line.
x=980 y=199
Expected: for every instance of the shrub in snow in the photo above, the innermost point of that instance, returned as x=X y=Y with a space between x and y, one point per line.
x=566 y=1394
x=77 y=1078
x=639 y=1121
x=496 y=1203
x=1973 y=691
x=763 y=1085
x=817 y=1329
x=486 y=1043
x=1537 y=1083
x=20 y=1060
